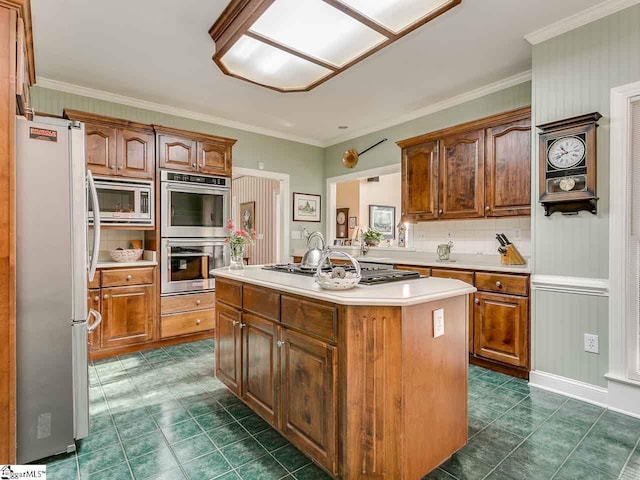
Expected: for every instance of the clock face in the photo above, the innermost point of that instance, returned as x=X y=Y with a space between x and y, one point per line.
x=566 y=152
x=341 y=218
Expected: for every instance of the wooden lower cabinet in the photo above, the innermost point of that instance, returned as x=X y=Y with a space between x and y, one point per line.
x=229 y=347
x=502 y=328
x=261 y=366
x=93 y=302
x=309 y=404
x=127 y=315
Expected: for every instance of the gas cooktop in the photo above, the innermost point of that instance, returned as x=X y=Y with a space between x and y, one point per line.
x=371 y=274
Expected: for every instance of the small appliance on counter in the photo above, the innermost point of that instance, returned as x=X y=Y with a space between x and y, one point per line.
x=509 y=254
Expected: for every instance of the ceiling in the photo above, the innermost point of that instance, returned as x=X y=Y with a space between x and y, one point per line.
x=160 y=51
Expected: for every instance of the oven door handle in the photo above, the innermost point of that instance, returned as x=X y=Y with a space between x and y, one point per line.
x=174 y=187
x=200 y=254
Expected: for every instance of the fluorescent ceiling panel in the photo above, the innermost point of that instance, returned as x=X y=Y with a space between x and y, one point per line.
x=317 y=29
x=396 y=15
x=268 y=65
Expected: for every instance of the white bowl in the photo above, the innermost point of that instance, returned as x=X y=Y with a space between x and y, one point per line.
x=129 y=255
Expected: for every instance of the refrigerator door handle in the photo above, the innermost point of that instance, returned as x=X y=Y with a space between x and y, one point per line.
x=96 y=226
x=98 y=321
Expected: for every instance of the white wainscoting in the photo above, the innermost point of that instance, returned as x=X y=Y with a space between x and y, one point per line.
x=576 y=285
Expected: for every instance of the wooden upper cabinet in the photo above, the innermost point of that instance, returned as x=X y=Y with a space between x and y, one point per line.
x=462 y=175
x=136 y=154
x=100 y=148
x=501 y=324
x=214 y=158
x=176 y=153
x=193 y=152
x=309 y=396
x=508 y=169
x=127 y=315
x=420 y=182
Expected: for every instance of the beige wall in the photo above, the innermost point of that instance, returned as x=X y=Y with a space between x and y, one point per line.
x=348 y=196
x=263 y=192
x=386 y=192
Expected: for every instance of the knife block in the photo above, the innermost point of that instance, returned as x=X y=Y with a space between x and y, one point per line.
x=512 y=256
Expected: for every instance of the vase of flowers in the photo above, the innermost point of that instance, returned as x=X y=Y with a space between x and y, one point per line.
x=373 y=237
x=238 y=241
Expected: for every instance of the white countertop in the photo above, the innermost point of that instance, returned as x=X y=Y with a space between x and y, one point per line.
x=427 y=259
x=410 y=292
x=139 y=263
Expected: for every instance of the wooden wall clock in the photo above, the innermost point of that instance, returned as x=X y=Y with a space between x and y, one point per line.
x=568 y=165
x=342 y=217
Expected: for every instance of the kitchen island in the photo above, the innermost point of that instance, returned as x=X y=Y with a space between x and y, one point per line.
x=356 y=379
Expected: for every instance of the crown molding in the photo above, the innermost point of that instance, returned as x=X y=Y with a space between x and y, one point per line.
x=578 y=20
x=169 y=110
x=436 y=107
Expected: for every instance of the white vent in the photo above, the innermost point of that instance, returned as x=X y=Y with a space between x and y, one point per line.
x=633 y=242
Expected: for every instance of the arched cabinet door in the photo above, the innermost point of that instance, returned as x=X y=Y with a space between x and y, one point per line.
x=100 y=149
x=176 y=153
x=136 y=152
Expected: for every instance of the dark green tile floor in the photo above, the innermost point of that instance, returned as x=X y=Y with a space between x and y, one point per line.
x=161 y=414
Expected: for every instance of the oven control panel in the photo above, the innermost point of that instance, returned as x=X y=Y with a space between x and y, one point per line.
x=197 y=179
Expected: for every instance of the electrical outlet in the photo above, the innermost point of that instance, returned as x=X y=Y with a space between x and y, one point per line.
x=438 y=323
x=421 y=235
x=517 y=234
x=260 y=165
x=591 y=343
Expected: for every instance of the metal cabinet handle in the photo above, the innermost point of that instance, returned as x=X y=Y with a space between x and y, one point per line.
x=96 y=298
x=499 y=284
x=193 y=164
x=198 y=321
x=242 y=325
x=129 y=277
x=197 y=302
x=477 y=301
x=440 y=211
x=105 y=296
x=235 y=322
x=112 y=167
x=119 y=167
x=279 y=343
x=487 y=208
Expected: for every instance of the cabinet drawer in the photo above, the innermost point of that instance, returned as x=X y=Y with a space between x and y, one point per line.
x=185 y=323
x=229 y=292
x=261 y=301
x=455 y=274
x=184 y=303
x=424 y=271
x=95 y=283
x=122 y=277
x=511 y=284
x=310 y=317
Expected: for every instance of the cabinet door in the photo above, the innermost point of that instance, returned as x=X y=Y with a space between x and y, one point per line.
x=136 y=154
x=176 y=153
x=462 y=175
x=502 y=328
x=309 y=396
x=93 y=300
x=420 y=182
x=260 y=372
x=214 y=158
x=100 y=149
x=508 y=170
x=228 y=347
x=127 y=315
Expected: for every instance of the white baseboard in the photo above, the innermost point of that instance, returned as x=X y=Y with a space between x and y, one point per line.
x=624 y=396
x=570 y=388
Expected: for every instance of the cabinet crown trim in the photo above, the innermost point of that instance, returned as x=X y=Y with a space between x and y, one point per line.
x=80 y=116
x=482 y=123
x=202 y=137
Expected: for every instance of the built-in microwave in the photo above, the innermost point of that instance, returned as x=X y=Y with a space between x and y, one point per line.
x=124 y=202
x=188 y=263
x=194 y=205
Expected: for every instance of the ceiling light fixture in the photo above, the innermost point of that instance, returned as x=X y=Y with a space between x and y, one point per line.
x=295 y=45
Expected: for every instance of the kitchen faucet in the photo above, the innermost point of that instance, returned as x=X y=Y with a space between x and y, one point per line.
x=364 y=248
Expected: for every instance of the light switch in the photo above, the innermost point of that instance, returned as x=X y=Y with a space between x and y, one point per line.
x=438 y=323
x=261 y=236
x=296 y=234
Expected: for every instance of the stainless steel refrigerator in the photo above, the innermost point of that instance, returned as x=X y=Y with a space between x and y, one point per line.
x=53 y=263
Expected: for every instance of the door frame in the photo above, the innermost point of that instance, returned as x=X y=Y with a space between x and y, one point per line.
x=284 y=219
x=332 y=182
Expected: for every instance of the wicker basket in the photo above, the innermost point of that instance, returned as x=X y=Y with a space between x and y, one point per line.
x=129 y=255
x=328 y=281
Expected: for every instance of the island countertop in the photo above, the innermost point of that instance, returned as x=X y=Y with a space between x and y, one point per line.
x=402 y=293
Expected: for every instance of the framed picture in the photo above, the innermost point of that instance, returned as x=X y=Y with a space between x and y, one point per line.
x=248 y=215
x=353 y=221
x=383 y=219
x=306 y=207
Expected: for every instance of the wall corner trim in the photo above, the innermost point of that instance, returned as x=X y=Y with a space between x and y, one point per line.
x=577 y=20
x=598 y=287
x=569 y=387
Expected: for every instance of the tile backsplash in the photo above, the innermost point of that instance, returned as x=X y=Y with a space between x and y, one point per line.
x=472 y=236
x=111 y=239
